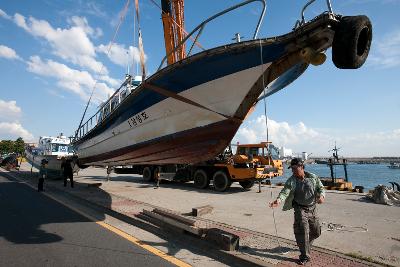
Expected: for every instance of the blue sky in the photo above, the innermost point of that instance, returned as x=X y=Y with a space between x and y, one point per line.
x=51 y=54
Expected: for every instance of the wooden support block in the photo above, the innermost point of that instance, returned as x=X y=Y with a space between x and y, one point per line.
x=194 y=230
x=222 y=239
x=201 y=210
x=175 y=216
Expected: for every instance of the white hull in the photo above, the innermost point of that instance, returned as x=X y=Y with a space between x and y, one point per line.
x=223 y=96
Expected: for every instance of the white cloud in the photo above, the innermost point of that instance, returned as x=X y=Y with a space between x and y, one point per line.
x=8 y=53
x=120 y=55
x=386 y=53
x=78 y=82
x=9 y=111
x=13 y=130
x=72 y=45
x=4 y=14
x=10 y=128
x=299 y=138
x=82 y=23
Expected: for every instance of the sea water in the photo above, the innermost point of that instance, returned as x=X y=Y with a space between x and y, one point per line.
x=366 y=175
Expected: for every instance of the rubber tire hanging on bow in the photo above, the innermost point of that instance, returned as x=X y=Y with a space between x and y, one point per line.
x=352 y=42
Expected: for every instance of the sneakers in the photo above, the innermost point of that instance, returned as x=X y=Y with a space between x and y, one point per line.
x=303 y=261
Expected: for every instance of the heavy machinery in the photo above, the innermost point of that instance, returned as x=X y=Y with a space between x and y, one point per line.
x=250 y=163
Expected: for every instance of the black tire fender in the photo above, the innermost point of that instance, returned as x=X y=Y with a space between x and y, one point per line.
x=200 y=179
x=147 y=174
x=246 y=184
x=352 y=42
x=221 y=181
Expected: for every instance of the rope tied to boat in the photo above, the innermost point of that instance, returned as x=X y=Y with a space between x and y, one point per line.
x=266 y=127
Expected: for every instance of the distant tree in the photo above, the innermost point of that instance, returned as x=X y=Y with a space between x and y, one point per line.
x=19 y=146
x=6 y=146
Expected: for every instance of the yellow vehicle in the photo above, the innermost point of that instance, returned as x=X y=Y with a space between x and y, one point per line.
x=251 y=162
x=264 y=157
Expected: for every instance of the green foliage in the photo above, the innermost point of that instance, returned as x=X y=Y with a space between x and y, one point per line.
x=9 y=146
x=19 y=146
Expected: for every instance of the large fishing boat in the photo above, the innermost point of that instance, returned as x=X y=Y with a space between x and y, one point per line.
x=189 y=110
x=53 y=150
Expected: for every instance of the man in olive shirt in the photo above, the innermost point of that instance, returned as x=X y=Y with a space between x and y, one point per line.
x=302 y=191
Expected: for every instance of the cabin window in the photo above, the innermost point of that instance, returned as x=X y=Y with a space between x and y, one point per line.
x=54 y=148
x=63 y=148
x=254 y=151
x=242 y=151
x=106 y=110
x=114 y=102
x=136 y=83
x=274 y=151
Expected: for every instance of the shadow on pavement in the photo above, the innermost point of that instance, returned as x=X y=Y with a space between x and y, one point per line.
x=26 y=212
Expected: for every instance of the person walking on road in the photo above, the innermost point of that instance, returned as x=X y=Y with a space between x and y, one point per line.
x=68 y=172
x=302 y=191
x=42 y=174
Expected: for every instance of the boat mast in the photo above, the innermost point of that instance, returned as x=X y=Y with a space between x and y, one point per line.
x=173 y=23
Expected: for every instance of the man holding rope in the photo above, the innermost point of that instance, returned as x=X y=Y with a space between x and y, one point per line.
x=302 y=191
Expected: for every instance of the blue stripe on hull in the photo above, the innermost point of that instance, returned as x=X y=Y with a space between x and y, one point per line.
x=187 y=74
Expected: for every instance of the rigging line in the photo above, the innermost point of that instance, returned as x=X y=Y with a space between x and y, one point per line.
x=122 y=16
x=266 y=126
x=191 y=38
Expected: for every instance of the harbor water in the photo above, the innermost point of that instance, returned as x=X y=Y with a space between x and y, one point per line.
x=366 y=175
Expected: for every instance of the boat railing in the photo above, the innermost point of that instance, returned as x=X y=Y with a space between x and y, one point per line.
x=199 y=29
x=105 y=109
x=303 y=20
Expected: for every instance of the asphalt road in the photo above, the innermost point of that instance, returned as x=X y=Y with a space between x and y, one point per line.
x=35 y=230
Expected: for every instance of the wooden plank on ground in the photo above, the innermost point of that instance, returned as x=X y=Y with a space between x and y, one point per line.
x=194 y=230
x=175 y=216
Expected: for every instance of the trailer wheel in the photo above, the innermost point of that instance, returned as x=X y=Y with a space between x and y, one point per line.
x=352 y=42
x=201 y=179
x=221 y=181
x=247 y=184
x=147 y=174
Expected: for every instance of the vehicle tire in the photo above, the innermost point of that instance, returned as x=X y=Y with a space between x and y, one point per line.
x=352 y=42
x=201 y=179
x=147 y=174
x=221 y=181
x=247 y=184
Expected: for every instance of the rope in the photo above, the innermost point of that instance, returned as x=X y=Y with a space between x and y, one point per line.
x=102 y=66
x=266 y=126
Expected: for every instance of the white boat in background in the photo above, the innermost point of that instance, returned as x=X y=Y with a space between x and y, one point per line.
x=394 y=165
x=189 y=111
x=52 y=149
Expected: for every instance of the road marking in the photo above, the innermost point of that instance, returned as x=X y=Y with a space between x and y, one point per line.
x=136 y=241
x=115 y=230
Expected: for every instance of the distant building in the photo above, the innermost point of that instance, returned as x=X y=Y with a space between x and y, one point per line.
x=301 y=155
x=285 y=152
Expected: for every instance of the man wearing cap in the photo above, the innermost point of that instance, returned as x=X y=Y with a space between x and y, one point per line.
x=302 y=191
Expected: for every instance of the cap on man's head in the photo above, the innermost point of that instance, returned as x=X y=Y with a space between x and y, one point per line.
x=295 y=161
